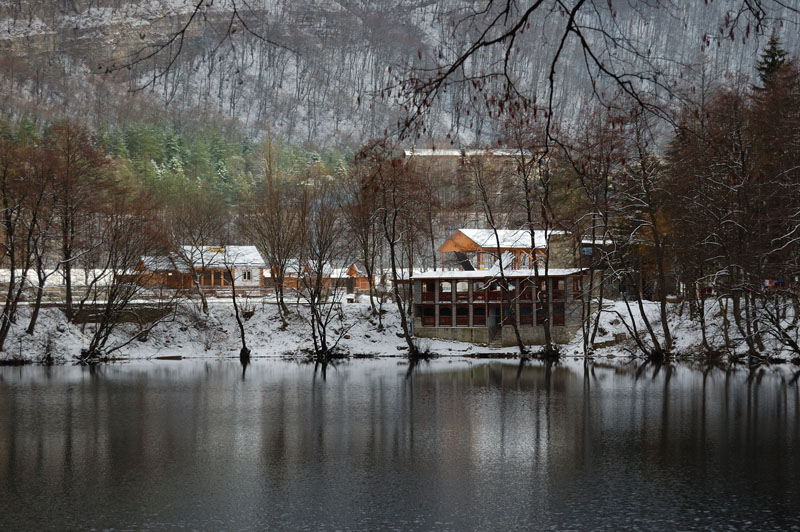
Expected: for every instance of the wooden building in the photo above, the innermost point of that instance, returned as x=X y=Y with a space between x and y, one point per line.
x=470 y=306
x=477 y=249
x=217 y=266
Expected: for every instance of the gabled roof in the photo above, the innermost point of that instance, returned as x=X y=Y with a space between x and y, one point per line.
x=509 y=239
x=159 y=263
x=206 y=256
x=220 y=256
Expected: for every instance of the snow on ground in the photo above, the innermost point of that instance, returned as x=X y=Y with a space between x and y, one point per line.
x=617 y=321
x=192 y=335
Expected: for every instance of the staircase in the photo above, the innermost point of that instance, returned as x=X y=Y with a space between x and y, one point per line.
x=496 y=338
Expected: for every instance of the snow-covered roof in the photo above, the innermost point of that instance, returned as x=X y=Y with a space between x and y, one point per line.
x=220 y=256
x=492 y=274
x=157 y=263
x=206 y=256
x=509 y=238
x=451 y=152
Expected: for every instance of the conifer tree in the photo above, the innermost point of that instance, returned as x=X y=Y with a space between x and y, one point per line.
x=772 y=60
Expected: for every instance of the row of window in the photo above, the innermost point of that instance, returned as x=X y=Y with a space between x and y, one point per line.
x=445 y=287
x=458 y=315
x=218 y=277
x=493 y=288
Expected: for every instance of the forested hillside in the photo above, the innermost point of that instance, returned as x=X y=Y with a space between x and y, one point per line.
x=315 y=71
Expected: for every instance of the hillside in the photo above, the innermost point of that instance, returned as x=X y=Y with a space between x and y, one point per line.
x=320 y=79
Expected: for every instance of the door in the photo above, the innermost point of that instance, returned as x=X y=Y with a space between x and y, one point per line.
x=494 y=316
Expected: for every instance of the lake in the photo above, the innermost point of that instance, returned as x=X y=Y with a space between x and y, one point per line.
x=458 y=445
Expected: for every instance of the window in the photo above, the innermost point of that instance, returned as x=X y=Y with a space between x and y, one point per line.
x=478 y=291
x=445 y=316
x=462 y=315
x=577 y=287
x=508 y=316
x=495 y=293
x=558 y=314
x=428 y=316
x=429 y=291
x=558 y=288
x=526 y=289
x=445 y=286
x=227 y=276
x=540 y=313
x=462 y=291
x=526 y=314
x=247 y=275
x=478 y=315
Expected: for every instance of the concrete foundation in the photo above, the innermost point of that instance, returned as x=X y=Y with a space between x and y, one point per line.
x=482 y=335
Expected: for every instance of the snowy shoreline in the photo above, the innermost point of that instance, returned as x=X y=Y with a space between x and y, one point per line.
x=190 y=335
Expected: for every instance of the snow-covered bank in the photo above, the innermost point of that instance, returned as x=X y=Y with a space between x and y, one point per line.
x=192 y=335
x=616 y=324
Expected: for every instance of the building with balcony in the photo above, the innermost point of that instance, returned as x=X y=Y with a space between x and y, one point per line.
x=471 y=306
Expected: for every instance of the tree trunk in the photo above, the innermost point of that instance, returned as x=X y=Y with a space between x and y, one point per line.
x=36 y=306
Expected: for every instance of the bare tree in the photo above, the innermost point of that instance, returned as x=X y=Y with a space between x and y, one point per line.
x=395 y=203
x=229 y=260
x=79 y=170
x=489 y=182
x=361 y=212
x=196 y=221
x=324 y=250
x=274 y=218
x=129 y=233
x=595 y=155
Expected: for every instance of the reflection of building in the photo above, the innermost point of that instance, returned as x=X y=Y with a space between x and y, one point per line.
x=216 y=266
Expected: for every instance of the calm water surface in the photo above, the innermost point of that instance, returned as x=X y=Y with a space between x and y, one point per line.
x=458 y=446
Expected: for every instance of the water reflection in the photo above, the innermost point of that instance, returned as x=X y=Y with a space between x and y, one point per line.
x=459 y=445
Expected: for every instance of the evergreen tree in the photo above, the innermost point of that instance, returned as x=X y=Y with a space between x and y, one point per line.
x=771 y=62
